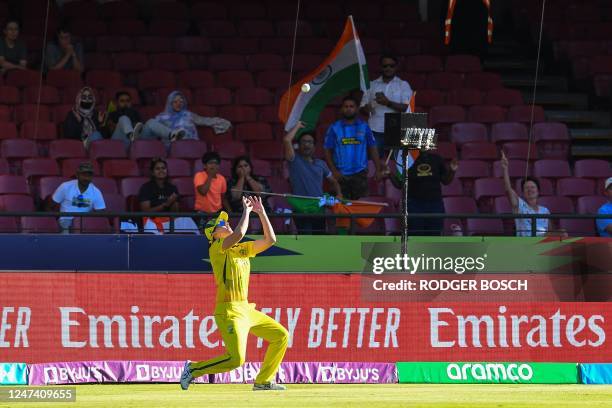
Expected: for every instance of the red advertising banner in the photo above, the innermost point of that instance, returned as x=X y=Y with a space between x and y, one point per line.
x=101 y=316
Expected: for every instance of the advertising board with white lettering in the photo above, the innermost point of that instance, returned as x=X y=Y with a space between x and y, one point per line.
x=115 y=316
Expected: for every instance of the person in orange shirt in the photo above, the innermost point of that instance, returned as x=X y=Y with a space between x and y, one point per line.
x=210 y=186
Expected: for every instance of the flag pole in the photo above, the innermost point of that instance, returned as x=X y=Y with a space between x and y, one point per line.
x=286 y=195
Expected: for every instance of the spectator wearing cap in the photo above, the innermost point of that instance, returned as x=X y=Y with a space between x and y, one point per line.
x=387 y=93
x=79 y=195
x=348 y=142
x=13 y=51
x=160 y=195
x=210 y=186
x=604 y=225
x=526 y=205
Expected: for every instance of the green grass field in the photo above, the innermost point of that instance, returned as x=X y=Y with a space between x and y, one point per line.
x=324 y=395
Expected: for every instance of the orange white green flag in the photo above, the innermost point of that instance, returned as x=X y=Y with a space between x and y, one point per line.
x=345 y=69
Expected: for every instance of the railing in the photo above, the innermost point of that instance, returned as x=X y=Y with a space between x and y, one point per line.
x=201 y=218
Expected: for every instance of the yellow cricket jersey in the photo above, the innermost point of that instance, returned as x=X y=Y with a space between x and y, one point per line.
x=231 y=269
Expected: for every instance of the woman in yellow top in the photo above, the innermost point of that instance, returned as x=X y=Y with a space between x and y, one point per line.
x=235 y=316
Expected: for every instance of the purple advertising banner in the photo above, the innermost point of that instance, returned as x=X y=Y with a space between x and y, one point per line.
x=170 y=372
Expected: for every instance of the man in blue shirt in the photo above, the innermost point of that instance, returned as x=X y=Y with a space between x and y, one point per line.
x=348 y=143
x=604 y=225
x=306 y=174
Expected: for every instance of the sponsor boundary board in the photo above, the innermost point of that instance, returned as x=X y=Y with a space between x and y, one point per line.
x=13 y=374
x=596 y=373
x=488 y=373
x=83 y=372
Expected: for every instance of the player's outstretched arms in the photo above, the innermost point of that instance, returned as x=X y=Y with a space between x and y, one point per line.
x=241 y=227
x=269 y=238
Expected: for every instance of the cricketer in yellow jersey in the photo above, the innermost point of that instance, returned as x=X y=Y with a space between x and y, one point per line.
x=234 y=315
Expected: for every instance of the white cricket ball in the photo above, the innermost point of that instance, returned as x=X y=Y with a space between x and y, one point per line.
x=306 y=88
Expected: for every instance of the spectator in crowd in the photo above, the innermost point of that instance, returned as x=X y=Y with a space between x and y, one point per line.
x=387 y=93
x=347 y=144
x=160 y=195
x=243 y=178
x=13 y=51
x=306 y=174
x=124 y=122
x=64 y=52
x=604 y=225
x=425 y=177
x=79 y=195
x=176 y=122
x=84 y=122
x=210 y=186
x=528 y=205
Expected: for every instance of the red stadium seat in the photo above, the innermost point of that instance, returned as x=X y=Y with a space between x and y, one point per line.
x=520 y=150
x=39 y=167
x=254 y=96
x=8 y=225
x=8 y=130
x=98 y=61
x=230 y=149
x=468 y=171
x=256 y=28
x=170 y=61
x=464 y=97
x=213 y=96
x=405 y=46
x=427 y=98
x=444 y=81
x=22 y=78
x=113 y=43
x=171 y=10
x=39 y=225
x=70 y=166
x=9 y=95
x=28 y=112
x=4 y=166
x=61 y=149
x=49 y=184
x=455 y=188
x=465 y=132
x=273 y=79
x=267 y=151
x=16 y=202
x=209 y=10
x=170 y=28
x=236 y=79
x=504 y=97
x=551 y=168
x=156 y=78
x=90 y=225
x=254 y=131
x=459 y=205
x=48 y=95
x=305 y=62
x=486 y=113
x=557 y=204
x=128 y=26
x=575 y=187
x=447 y=150
x=89 y=28
x=13 y=185
x=485 y=190
x=188 y=149
x=577 y=227
x=446 y=114
x=5 y=113
x=147 y=149
x=516 y=168
x=552 y=140
x=105 y=185
x=522 y=113
x=463 y=63
x=590 y=204
x=262 y=167
x=479 y=151
x=423 y=63
x=218 y=28
x=114 y=202
x=130 y=186
x=226 y=62
x=107 y=149
x=118 y=168
x=195 y=79
x=238 y=113
x=179 y=168
x=18 y=148
x=592 y=168
x=479 y=226
x=131 y=61
x=62 y=78
x=483 y=81
x=193 y=45
x=184 y=185
x=416 y=81
x=508 y=132
x=38 y=130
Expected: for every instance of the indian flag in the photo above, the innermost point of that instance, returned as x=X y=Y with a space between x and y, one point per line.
x=343 y=70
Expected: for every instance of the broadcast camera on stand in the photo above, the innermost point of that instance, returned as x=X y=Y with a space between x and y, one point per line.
x=408 y=133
